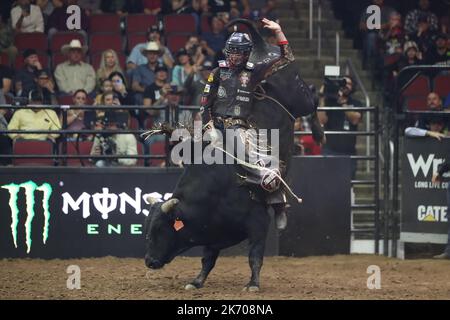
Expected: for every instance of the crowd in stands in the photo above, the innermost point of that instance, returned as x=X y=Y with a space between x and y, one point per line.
x=142 y=52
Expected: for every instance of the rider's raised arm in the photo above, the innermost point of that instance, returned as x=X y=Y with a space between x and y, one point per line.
x=209 y=95
x=287 y=55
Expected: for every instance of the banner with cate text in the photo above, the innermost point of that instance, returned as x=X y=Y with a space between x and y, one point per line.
x=424 y=204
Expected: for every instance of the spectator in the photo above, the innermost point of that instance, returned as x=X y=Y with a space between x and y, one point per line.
x=112 y=6
x=106 y=86
x=195 y=83
x=440 y=53
x=214 y=41
x=109 y=63
x=194 y=50
x=34 y=119
x=144 y=75
x=90 y=6
x=152 y=7
x=252 y=7
x=57 y=22
x=412 y=56
x=47 y=87
x=444 y=24
x=120 y=88
x=157 y=91
x=136 y=57
x=413 y=18
x=27 y=17
x=132 y=7
x=74 y=74
x=371 y=36
x=436 y=128
x=444 y=168
x=25 y=77
x=176 y=7
x=6 y=76
x=75 y=117
x=7 y=41
x=340 y=121
x=434 y=103
x=172 y=114
x=394 y=36
x=183 y=68
x=5 y=141
x=424 y=36
x=269 y=11
x=115 y=144
x=46 y=7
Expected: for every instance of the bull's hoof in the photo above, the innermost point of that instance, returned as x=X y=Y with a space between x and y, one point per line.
x=192 y=286
x=251 y=289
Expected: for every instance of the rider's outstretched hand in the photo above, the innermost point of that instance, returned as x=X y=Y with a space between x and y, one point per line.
x=272 y=25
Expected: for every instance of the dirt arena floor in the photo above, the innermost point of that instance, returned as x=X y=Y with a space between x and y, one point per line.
x=337 y=277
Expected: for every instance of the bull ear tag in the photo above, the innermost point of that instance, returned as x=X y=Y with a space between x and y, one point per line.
x=178 y=225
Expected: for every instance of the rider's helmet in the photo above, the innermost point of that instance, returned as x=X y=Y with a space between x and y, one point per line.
x=237 y=49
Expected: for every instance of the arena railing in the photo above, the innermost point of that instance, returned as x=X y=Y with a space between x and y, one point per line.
x=375 y=181
x=64 y=133
x=393 y=122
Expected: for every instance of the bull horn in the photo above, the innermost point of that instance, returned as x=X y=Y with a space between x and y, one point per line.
x=168 y=205
x=152 y=200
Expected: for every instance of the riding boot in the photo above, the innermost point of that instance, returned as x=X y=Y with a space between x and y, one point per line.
x=277 y=200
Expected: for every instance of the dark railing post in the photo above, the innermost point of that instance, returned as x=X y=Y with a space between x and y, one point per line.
x=377 y=180
x=64 y=136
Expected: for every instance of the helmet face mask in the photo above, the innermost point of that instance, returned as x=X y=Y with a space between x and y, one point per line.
x=237 y=49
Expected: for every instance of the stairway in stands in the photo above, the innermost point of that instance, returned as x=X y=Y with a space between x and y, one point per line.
x=294 y=19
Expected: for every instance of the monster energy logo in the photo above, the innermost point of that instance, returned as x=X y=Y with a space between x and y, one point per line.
x=30 y=188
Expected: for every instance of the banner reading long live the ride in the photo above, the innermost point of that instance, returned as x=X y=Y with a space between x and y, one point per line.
x=51 y=214
x=424 y=204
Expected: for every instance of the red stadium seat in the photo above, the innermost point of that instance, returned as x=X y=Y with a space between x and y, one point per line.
x=419 y=87
x=103 y=41
x=65 y=100
x=81 y=148
x=4 y=59
x=61 y=38
x=33 y=147
x=157 y=149
x=104 y=23
x=418 y=103
x=96 y=59
x=43 y=59
x=176 y=41
x=34 y=40
x=442 y=85
x=134 y=39
x=180 y=23
x=205 y=27
x=134 y=123
x=140 y=149
x=140 y=22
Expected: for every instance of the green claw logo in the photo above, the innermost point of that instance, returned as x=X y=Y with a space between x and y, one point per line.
x=30 y=188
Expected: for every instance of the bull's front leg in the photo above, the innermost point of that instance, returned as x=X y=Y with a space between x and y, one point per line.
x=210 y=255
x=257 y=239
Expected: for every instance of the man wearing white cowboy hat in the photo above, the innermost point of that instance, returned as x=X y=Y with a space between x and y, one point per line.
x=144 y=75
x=74 y=74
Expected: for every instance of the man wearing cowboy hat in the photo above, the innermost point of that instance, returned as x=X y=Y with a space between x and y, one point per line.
x=74 y=74
x=136 y=59
x=144 y=75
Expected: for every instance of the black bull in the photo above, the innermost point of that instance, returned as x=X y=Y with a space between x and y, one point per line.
x=210 y=208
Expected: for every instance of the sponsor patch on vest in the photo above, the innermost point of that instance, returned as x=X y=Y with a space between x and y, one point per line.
x=243 y=91
x=243 y=99
x=211 y=77
x=244 y=79
x=207 y=88
x=237 y=110
x=225 y=75
x=222 y=93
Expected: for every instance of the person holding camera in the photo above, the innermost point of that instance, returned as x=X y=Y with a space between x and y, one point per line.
x=113 y=143
x=338 y=93
x=27 y=17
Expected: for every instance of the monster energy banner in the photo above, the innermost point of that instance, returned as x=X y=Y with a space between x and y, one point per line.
x=68 y=213
x=424 y=205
